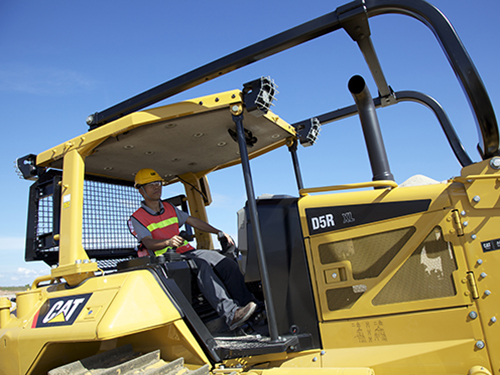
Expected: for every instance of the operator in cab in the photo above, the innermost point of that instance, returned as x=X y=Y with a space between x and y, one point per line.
x=156 y=226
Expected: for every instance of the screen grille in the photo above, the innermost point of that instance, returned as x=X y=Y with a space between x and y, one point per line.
x=369 y=255
x=427 y=274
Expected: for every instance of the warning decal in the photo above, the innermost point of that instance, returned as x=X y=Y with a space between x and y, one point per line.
x=369 y=332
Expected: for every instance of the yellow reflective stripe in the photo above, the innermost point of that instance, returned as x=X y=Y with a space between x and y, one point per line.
x=164 y=250
x=162 y=224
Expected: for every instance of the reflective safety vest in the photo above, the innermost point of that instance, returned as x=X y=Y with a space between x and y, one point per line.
x=162 y=226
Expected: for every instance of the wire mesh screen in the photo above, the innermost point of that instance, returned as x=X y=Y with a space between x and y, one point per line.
x=342 y=298
x=369 y=255
x=427 y=274
x=45 y=209
x=106 y=210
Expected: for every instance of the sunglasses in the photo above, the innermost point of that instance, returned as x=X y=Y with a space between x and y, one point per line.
x=153 y=184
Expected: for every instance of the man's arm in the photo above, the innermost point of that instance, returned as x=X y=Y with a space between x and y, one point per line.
x=205 y=227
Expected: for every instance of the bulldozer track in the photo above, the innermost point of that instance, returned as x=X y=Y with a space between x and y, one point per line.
x=125 y=361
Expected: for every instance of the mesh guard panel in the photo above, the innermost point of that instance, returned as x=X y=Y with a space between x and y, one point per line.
x=107 y=205
x=426 y=274
x=106 y=209
x=369 y=255
x=343 y=298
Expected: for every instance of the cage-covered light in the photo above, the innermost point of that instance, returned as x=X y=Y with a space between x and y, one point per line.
x=258 y=95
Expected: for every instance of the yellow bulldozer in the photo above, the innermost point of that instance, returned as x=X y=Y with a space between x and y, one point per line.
x=361 y=278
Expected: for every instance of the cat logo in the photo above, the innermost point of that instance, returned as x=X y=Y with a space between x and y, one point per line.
x=60 y=311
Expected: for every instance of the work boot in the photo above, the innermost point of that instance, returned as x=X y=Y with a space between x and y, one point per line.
x=241 y=315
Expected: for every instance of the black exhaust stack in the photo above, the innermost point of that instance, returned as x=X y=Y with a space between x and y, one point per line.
x=371 y=129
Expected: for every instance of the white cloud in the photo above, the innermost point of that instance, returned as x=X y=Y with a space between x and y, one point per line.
x=23 y=275
x=28 y=272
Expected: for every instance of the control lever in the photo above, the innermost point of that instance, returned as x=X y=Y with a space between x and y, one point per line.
x=184 y=235
x=227 y=248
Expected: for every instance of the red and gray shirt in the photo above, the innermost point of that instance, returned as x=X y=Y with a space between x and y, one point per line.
x=160 y=225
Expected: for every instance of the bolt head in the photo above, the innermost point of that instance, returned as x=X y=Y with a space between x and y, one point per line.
x=495 y=163
x=476 y=199
x=480 y=344
x=473 y=315
x=473 y=236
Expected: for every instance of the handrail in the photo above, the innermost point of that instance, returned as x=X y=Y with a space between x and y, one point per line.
x=459 y=60
x=41 y=279
x=404 y=96
x=472 y=177
x=359 y=185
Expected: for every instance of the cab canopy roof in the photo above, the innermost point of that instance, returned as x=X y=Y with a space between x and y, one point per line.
x=195 y=136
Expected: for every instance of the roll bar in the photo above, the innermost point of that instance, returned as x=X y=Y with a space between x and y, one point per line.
x=353 y=18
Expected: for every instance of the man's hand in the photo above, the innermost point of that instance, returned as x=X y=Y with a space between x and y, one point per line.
x=175 y=241
x=228 y=237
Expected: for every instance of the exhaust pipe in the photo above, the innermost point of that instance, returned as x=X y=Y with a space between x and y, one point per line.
x=371 y=129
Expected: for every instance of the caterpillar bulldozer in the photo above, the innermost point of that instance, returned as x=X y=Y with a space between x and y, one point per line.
x=361 y=278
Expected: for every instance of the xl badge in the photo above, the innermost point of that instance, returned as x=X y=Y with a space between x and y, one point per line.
x=60 y=311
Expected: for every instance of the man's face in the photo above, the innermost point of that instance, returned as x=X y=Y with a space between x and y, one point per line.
x=153 y=190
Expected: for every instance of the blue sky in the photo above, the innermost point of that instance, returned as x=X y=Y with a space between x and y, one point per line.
x=63 y=60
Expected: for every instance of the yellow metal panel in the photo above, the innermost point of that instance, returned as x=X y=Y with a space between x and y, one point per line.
x=438 y=342
x=90 y=140
x=314 y=371
x=139 y=305
x=118 y=305
x=93 y=138
x=174 y=340
x=482 y=184
x=481 y=243
x=364 y=290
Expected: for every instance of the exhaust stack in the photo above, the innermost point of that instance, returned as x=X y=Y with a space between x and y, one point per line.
x=371 y=129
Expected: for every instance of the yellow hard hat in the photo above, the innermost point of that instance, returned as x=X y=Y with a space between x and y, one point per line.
x=145 y=176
